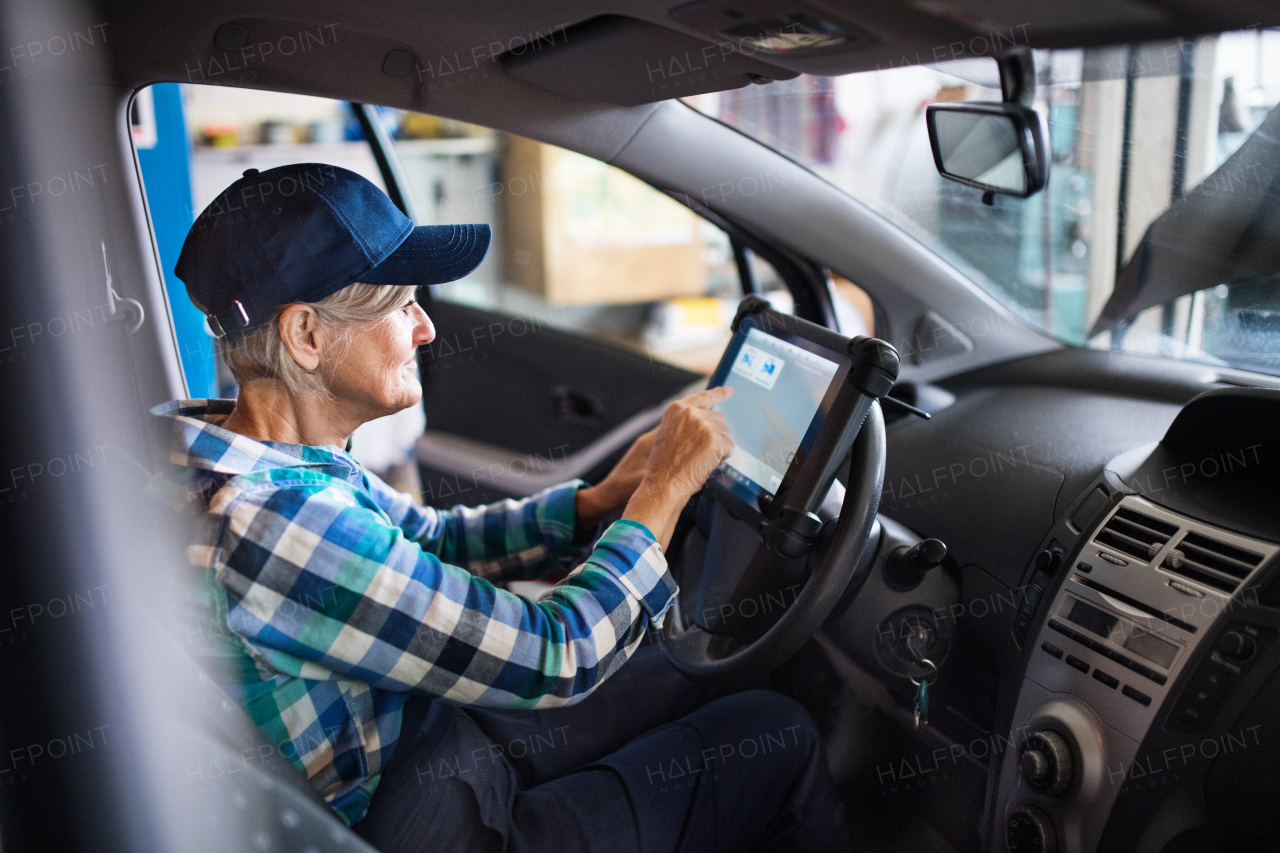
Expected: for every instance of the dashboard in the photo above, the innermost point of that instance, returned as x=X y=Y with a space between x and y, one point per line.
x=1131 y=634
x=1110 y=607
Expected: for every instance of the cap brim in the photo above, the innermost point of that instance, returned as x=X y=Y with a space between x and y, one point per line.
x=433 y=254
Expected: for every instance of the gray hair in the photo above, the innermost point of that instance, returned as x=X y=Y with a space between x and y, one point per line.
x=261 y=354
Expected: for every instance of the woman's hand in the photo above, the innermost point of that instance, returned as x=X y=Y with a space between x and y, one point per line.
x=612 y=493
x=687 y=446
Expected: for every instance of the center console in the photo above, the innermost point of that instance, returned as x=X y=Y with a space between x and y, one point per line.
x=1142 y=593
x=1148 y=631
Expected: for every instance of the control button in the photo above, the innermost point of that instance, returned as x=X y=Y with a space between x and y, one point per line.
x=1099 y=675
x=1219 y=662
x=1206 y=690
x=1082 y=566
x=1193 y=715
x=1218 y=678
x=1072 y=660
x=1034 y=764
x=1146 y=672
x=1027 y=611
x=1046 y=763
x=1136 y=695
x=1237 y=645
x=1186 y=590
x=1096 y=646
x=1137 y=667
x=1114 y=560
x=1030 y=830
x=1203 y=695
x=1113 y=654
x=1052 y=649
x=1047 y=561
x=1061 y=629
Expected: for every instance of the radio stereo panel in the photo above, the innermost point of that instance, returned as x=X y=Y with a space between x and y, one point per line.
x=1146 y=588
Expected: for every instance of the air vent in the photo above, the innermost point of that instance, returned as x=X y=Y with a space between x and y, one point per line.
x=1210 y=562
x=1130 y=532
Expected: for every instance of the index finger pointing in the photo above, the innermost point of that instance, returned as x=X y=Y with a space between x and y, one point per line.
x=709 y=397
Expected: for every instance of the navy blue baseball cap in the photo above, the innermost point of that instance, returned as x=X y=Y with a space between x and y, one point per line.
x=301 y=232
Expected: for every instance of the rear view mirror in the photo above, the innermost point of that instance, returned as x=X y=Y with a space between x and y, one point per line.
x=995 y=147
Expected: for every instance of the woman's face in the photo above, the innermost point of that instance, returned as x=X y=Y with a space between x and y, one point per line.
x=379 y=374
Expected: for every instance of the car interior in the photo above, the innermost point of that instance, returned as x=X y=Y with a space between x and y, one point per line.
x=1021 y=570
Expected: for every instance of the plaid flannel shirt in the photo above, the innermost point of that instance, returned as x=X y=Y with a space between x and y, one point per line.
x=332 y=598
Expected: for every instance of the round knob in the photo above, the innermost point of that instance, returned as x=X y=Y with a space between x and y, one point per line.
x=1047 y=561
x=906 y=567
x=1035 y=764
x=1046 y=762
x=932 y=552
x=1237 y=645
x=1030 y=830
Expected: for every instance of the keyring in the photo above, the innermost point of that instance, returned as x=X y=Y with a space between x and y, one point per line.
x=925 y=677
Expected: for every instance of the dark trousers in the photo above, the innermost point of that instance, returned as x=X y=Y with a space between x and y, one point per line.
x=649 y=762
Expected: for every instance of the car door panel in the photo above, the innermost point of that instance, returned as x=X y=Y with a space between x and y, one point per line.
x=514 y=405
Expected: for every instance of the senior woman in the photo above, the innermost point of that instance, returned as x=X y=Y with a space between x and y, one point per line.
x=364 y=634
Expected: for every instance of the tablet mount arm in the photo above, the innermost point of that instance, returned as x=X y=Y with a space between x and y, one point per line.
x=793 y=529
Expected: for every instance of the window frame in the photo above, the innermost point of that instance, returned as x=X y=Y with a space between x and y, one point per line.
x=805 y=280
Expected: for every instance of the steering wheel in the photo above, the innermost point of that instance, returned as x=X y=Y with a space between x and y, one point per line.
x=737 y=569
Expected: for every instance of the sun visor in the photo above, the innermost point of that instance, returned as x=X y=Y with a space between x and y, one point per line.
x=625 y=61
x=1224 y=231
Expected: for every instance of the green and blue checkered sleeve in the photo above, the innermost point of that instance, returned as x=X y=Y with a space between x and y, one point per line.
x=506 y=540
x=322 y=584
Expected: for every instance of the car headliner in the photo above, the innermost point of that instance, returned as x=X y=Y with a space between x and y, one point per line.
x=165 y=41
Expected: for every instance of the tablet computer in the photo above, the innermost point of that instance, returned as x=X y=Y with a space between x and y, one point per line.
x=786 y=374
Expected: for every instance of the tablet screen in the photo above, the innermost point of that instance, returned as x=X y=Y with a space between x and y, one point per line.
x=777 y=407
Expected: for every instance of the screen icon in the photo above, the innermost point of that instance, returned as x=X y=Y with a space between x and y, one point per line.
x=759 y=366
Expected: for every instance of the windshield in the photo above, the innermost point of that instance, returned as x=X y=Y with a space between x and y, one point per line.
x=1159 y=230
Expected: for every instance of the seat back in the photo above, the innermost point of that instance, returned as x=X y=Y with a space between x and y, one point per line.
x=247 y=792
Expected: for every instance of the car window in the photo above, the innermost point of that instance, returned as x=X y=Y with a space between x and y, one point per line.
x=1134 y=132
x=577 y=243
